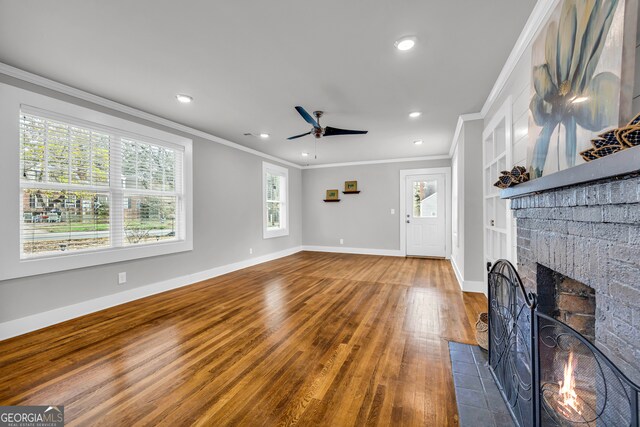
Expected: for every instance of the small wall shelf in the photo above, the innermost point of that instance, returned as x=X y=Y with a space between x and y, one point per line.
x=351 y=192
x=331 y=200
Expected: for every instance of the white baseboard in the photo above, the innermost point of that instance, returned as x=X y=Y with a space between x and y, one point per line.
x=474 y=286
x=33 y=322
x=456 y=271
x=468 y=285
x=359 y=251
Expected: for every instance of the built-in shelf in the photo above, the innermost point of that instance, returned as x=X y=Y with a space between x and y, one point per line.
x=623 y=162
x=331 y=200
x=351 y=192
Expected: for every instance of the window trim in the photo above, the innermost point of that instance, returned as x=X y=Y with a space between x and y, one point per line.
x=12 y=101
x=283 y=172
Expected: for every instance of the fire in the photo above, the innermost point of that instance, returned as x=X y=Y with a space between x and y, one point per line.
x=568 y=398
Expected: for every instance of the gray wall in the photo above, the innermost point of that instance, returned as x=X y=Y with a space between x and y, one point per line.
x=363 y=220
x=227 y=222
x=457 y=207
x=473 y=201
x=467 y=216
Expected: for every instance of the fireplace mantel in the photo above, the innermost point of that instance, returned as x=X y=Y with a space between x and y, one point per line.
x=624 y=162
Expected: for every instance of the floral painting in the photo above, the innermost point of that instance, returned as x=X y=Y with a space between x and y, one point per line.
x=576 y=81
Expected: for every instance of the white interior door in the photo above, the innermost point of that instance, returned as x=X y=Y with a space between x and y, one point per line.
x=425 y=215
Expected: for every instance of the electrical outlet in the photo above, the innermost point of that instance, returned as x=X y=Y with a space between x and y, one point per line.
x=342 y=241
x=122 y=278
x=393 y=211
x=250 y=251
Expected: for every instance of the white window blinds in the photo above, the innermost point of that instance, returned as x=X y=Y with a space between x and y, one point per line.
x=86 y=186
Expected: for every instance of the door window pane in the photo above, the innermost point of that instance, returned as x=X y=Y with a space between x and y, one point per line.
x=425 y=199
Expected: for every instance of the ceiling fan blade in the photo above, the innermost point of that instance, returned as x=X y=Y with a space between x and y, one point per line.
x=307 y=117
x=329 y=131
x=298 y=136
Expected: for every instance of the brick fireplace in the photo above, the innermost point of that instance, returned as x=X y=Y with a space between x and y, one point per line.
x=578 y=248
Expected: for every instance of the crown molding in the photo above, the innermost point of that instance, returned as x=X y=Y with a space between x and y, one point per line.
x=104 y=102
x=539 y=15
x=376 y=162
x=461 y=119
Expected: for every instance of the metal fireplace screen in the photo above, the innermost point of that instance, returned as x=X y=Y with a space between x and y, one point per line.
x=511 y=341
x=574 y=383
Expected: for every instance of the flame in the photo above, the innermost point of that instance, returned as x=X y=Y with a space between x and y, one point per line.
x=568 y=398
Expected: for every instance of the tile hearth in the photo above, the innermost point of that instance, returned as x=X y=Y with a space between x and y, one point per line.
x=479 y=401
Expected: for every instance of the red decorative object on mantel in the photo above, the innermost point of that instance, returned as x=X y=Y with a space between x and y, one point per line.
x=614 y=140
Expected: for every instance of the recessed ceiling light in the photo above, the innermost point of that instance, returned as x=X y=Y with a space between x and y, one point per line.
x=264 y=135
x=405 y=43
x=418 y=142
x=305 y=154
x=580 y=99
x=185 y=99
x=415 y=114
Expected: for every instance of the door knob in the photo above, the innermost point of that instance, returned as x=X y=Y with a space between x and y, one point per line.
x=408 y=222
x=493 y=223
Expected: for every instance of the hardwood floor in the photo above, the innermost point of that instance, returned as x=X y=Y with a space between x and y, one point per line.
x=310 y=339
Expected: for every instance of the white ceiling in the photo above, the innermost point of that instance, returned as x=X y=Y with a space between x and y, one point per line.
x=248 y=63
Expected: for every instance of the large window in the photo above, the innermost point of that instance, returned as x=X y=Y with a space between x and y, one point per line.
x=86 y=188
x=274 y=197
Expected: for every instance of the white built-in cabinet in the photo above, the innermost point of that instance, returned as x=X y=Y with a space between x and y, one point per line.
x=496 y=157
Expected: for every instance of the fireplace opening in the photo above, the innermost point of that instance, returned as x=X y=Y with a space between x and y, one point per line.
x=567 y=300
x=571 y=381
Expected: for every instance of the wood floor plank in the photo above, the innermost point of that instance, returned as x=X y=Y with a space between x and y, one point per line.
x=310 y=339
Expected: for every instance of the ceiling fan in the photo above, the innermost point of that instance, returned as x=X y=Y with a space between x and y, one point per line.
x=319 y=131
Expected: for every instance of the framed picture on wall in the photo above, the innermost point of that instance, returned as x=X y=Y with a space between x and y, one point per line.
x=350 y=186
x=332 y=194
